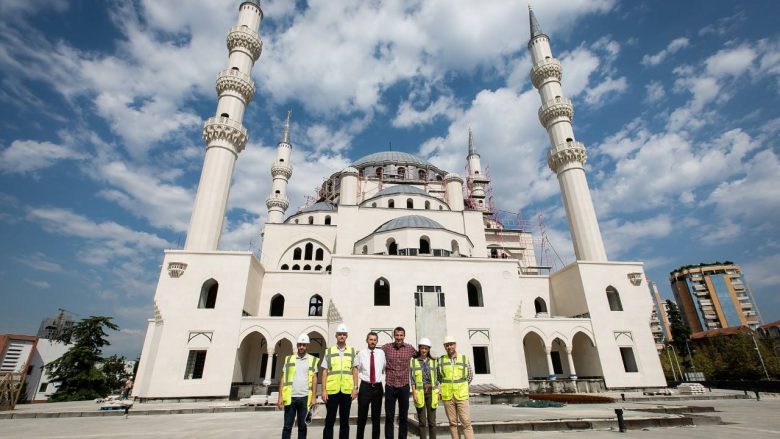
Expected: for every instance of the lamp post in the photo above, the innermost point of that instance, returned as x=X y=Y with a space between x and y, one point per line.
x=758 y=351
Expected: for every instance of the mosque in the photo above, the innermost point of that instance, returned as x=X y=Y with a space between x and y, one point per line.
x=392 y=241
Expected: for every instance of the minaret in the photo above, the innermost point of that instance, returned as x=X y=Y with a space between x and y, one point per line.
x=566 y=157
x=281 y=171
x=224 y=134
x=476 y=180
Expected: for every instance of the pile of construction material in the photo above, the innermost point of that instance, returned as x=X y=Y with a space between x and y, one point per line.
x=691 y=389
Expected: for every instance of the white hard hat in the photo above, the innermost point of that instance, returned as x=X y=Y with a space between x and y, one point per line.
x=449 y=339
x=303 y=338
x=341 y=328
x=424 y=342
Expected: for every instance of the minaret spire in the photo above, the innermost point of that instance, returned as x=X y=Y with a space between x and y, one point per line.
x=286 y=133
x=566 y=156
x=281 y=171
x=472 y=148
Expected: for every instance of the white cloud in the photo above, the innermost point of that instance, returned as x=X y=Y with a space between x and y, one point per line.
x=610 y=87
x=42 y=284
x=578 y=65
x=408 y=116
x=655 y=92
x=621 y=236
x=731 y=62
x=40 y=261
x=25 y=156
x=674 y=46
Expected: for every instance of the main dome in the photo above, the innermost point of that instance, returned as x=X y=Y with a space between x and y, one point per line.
x=388 y=157
x=409 y=221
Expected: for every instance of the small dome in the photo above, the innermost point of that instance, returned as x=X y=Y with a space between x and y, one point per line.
x=319 y=207
x=409 y=221
x=400 y=189
x=451 y=177
x=350 y=170
x=390 y=157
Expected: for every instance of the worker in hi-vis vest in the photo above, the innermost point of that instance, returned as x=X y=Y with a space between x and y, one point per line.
x=339 y=379
x=455 y=374
x=423 y=376
x=296 y=388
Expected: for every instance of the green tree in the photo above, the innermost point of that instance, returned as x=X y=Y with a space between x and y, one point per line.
x=76 y=372
x=681 y=333
x=114 y=370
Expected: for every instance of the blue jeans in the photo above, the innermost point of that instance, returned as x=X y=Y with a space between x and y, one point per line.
x=401 y=394
x=297 y=408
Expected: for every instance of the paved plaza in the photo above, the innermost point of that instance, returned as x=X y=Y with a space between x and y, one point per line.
x=746 y=418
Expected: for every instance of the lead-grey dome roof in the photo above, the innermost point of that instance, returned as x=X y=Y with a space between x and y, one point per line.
x=409 y=221
x=400 y=189
x=387 y=157
x=318 y=207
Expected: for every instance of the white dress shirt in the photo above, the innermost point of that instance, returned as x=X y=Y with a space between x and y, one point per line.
x=363 y=363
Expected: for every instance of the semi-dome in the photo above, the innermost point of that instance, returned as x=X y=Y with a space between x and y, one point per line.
x=409 y=221
x=400 y=189
x=388 y=157
x=319 y=207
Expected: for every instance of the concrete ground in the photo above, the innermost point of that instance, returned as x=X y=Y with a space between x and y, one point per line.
x=747 y=418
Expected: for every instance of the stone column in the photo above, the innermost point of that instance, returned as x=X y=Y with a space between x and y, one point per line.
x=268 y=364
x=572 y=372
x=550 y=368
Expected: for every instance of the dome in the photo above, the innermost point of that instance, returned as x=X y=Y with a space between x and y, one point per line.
x=387 y=157
x=319 y=207
x=409 y=221
x=400 y=189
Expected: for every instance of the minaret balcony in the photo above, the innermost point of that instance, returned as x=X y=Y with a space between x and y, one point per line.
x=237 y=82
x=278 y=170
x=225 y=129
x=549 y=68
x=276 y=201
x=244 y=38
x=555 y=109
x=565 y=154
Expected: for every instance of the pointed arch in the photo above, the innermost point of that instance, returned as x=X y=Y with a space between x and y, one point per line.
x=540 y=306
x=613 y=297
x=474 y=290
x=315 y=306
x=381 y=292
x=425 y=245
x=307 y=255
x=277 y=306
x=208 y=294
x=296 y=267
x=390 y=203
x=319 y=255
x=409 y=203
x=297 y=254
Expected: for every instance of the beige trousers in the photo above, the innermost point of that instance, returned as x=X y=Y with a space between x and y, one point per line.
x=459 y=410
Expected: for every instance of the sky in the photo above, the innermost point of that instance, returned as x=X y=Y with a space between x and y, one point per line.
x=103 y=105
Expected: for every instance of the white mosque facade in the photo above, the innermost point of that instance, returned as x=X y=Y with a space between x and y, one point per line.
x=392 y=241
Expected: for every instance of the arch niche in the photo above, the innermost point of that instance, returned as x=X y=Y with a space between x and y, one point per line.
x=586 y=357
x=251 y=358
x=535 y=356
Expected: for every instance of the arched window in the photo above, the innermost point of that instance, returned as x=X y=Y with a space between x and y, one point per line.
x=327 y=220
x=475 y=293
x=427 y=204
x=381 y=292
x=390 y=204
x=277 y=306
x=297 y=254
x=225 y=115
x=379 y=172
x=296 y=220
x=315 y=306
x=425 y=245
x=439 y=178
x=311 y=220
x=401 y=173
x=540 y=305
x=318 y=268
x=365 y=250
x=422 y=174
x=208 y=294
x=613 y=297
x=285 y=267
x=392 y=247
x=455 y=248
x=373 y=204
x=327 y=268
x=296 y=267
x=409 y=203
x=309 y=250
x=307 y=267
x=319 y=255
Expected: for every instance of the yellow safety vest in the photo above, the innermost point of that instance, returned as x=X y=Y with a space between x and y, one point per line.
x=454 y=378
x=417 y=372
x=289 y=375
x=339 y=372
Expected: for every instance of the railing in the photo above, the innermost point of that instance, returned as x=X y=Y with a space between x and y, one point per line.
x=219 y=120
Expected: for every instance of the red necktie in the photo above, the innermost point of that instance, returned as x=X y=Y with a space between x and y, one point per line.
x=372 y=375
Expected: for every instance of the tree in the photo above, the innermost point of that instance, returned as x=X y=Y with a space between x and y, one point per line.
x=115 y=372
x=681 y=333
x=76 y=373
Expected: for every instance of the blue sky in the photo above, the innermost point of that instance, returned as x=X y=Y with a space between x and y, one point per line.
x=103 y=104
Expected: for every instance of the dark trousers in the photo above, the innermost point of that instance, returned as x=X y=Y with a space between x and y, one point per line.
x=426 y=415
x=401 y=394
x=296 y=409
x=369 y=395
x=340 y=402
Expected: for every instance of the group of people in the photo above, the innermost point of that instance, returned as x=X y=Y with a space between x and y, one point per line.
x=393 y=372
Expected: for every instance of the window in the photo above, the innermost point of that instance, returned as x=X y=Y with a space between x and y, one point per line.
x=327 y=220
x=319 y=255
x=311 y=220
x=540 y=306
x=392 y=247
x=381 y=292
x=401 y=173
x=309 y=250
x=390 y=204
x=379 y=172
x=629 y=362
x=318 y=268
x=441 y=299
x=418 y=299
x=614 y=299
x=285 y=267
x=307 y=267
x=277 y=306
x=43 y=387
x=474 y=290
x=196 y=360
x=409 y=203
x=315 y=306
x=296 y=267
x=454 y=245
x=297 y=254
x=208 y=294
x=364 y=250
x=373 y=204
x=481 y=360
x=225 y=115
x=425 y=245
x=327 y=268
x=422 y=174
x=427 y=205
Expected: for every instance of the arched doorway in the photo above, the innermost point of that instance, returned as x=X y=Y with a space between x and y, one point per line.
x=250 y=357
x=317 y=345
x=586 y=357
x=535 y=356
x=560 y=359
